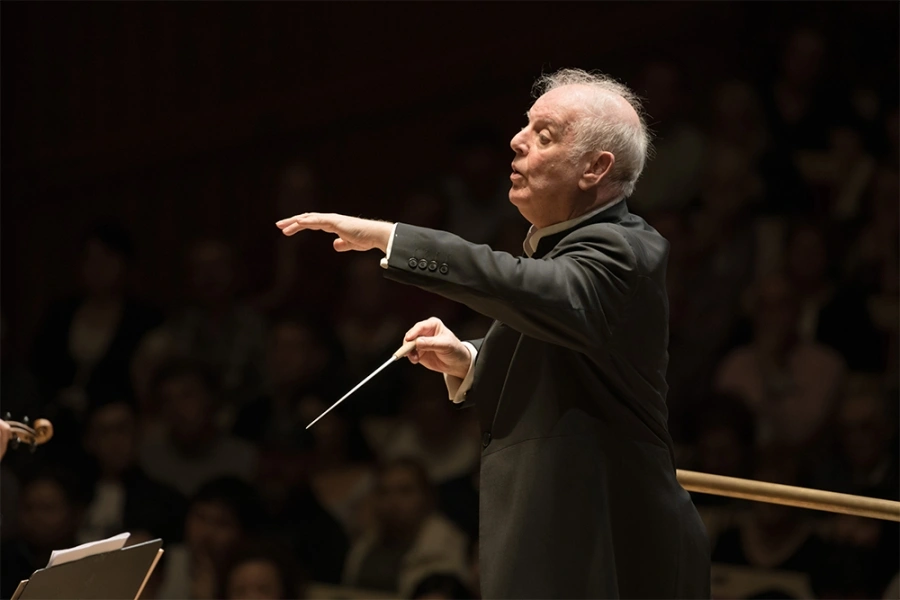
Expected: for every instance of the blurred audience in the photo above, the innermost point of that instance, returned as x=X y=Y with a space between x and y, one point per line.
x=408 y=540
x=777 y=186
x=190 y=449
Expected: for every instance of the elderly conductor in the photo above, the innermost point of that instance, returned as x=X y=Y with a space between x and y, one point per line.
x=578 y=491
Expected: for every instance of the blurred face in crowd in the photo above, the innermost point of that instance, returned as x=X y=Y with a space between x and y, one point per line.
x=401 y=502
x=295 y=356
x=802 y=60
x=212 y=276
x=663 y=92
x=102 y=269
x=807 y=259
x=865 y=430
x=550 y=183
x=737 y=113
x=212 y=529
x=188 y=409
x=255 y=580
x=111 y=438
x=46 y=518
x=775 y=314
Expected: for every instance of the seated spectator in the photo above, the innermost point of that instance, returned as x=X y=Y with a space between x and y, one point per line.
x=123 y=498
x=476 y=188
x=220 y=517
x=441 y=586
x=772 y=536
x=370 y=330
x=190 y=450
x=219 y=330
x=833 y=315
x=443 y=439
x=340 y=466
x=86 y=342
x=672 y=178
x=866 y=462
x=302 y=361
x=261 y=571
x=155 y=351
x=409 y=540
x=50 y=510
x=790 y=385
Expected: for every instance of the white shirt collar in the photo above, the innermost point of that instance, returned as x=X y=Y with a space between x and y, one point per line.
x=534 y=235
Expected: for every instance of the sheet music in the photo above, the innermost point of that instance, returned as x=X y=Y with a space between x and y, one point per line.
x=59 y=557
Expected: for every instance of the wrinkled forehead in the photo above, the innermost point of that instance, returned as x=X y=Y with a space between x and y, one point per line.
x=563 y=105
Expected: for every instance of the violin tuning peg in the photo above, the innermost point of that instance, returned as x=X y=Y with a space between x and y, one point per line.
x=7 y=416
x=32 y=447
x=14 y=443
x=25 y=420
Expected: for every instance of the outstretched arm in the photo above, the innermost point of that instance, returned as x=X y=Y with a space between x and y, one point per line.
x=575 y=299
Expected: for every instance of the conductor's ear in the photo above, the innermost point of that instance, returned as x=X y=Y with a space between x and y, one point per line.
x=596 y=168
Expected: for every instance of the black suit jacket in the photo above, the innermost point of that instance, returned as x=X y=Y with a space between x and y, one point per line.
x=579 y=497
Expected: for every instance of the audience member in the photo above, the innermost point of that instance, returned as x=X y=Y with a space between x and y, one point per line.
x=302 y=360
x=50 y=509
x=772 y=536
x=790 y=385
x=123 y=498
x=87 y=341
x=218 y=329
x=221 y=515
x=831 y=314
x=370 y=330
x=409 y=540
x=340 y=466
x=477 y=188
x=261 y=571
x=190 y=450
x=672 y=178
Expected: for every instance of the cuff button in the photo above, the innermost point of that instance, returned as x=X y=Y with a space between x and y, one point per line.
x=432 y=266
x=423 y=264
x=445 y=268
x=412 y=263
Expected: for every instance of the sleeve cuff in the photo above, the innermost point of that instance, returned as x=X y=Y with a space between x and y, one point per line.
x=387 y=254
x=456 y=387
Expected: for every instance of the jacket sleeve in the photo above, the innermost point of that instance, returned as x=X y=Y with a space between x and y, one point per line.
x=575 y=298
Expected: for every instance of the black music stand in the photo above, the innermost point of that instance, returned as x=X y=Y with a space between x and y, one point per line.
x=116 y=575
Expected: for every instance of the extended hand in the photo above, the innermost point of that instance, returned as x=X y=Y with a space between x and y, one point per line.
x=353 y=233
x=438 y=349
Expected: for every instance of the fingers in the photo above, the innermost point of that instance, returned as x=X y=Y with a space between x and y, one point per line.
x=429 y=326
x=315 y=221
x=342 y=245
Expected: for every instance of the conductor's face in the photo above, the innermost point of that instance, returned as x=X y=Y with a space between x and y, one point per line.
x=545 y=178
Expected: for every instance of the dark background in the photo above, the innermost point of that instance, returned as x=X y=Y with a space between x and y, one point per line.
x=179 y=121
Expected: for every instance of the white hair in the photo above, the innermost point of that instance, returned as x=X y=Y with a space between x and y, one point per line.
x=629 y=142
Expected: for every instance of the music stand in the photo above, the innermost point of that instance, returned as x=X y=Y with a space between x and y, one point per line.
x=115 y=575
